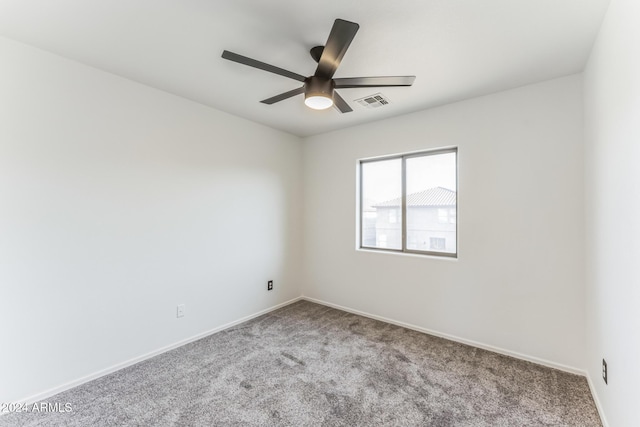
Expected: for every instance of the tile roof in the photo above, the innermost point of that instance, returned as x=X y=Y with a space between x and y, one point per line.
x=436 y=196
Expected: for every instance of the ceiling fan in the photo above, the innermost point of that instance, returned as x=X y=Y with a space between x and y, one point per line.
x=319 y=88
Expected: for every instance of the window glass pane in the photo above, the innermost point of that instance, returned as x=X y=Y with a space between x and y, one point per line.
x=443 y=215
x=431 y=202
x=381 y=204
x=437 y=243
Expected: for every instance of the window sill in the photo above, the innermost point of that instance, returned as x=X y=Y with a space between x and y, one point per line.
x=408 y=254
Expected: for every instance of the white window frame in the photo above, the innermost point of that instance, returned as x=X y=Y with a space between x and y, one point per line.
x=403 y=208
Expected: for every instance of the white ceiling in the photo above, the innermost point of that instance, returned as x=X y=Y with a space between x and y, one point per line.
x=457 y=48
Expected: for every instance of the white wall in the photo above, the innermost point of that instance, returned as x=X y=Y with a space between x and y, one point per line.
x=612 y=134
x=118 y=202
x=519 y=281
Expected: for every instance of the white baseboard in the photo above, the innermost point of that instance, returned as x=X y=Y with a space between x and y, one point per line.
x=483 y=346
x=597 y=400
x=64 y=387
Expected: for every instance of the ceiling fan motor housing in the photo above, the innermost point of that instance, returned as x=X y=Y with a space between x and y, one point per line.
x=317 y=86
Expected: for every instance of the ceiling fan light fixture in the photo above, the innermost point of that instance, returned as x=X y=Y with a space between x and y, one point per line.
x=318 y=93
x=318 y=102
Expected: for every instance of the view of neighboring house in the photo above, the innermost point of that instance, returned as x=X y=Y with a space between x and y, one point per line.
x=369 y=216
x=431 y=222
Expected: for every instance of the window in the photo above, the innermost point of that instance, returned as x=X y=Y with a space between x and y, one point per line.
x=411 y=203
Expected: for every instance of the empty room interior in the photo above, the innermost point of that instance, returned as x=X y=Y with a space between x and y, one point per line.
x=339 y=213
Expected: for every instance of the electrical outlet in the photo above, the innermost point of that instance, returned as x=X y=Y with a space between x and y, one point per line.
x=180 y=311
x=270 y=285
x=604 y=371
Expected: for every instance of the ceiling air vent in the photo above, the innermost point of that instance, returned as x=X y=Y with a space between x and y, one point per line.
x=373 y=101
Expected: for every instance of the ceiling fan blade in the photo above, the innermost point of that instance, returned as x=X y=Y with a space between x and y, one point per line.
x=340 y=37
x=341 y=104
x=283 y=96
x=352 y=82
x=261 y=65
